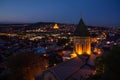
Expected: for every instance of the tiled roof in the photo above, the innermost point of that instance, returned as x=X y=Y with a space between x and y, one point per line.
x=74 y=68
x=63 y=70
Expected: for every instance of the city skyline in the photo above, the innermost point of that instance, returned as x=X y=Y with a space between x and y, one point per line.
x=99 y=13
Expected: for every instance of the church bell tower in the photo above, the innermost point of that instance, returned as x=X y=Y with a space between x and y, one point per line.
x=81 y=39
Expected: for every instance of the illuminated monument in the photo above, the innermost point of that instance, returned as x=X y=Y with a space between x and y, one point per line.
x=81 y=39
x=56 y=26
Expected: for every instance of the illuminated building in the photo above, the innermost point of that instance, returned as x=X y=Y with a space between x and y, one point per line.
x=81 y=39
x=97 y=50
x=56 y=26
x=103 y=36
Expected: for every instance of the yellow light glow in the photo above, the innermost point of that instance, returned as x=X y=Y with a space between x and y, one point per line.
x=51 y=40
x=82 y=45
x=88 y=52
x=54 y=64
x=73 y=55
x=69 y=33
x=94 y=40
x=45 y=55
x=66 y=44
x=97 y=50
x=80 y=52
x=56 y=26
x=94 y=72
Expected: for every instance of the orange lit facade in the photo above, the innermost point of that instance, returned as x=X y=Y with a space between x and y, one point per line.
x=82 y=45
x=97 y=50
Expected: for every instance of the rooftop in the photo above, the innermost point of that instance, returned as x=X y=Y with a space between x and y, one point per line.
x=81 y=29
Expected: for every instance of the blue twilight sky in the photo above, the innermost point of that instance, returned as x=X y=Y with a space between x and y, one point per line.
x=94 y=12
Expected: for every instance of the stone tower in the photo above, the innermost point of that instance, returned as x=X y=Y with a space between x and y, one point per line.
x=81 y=39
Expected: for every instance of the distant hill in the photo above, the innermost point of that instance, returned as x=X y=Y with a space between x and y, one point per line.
x=37 y=23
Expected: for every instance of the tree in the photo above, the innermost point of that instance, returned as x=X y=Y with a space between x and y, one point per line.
x=99 y=64
x=112 y=67
x=25 y=65
x=107 y=67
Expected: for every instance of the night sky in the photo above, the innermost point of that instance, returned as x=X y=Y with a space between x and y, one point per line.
x=94 y=12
